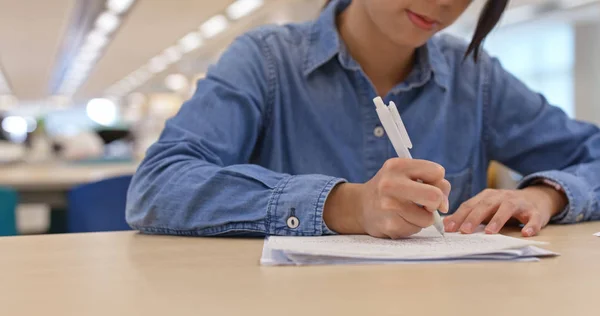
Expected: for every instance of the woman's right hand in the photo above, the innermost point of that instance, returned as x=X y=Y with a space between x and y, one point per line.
x=398 y=202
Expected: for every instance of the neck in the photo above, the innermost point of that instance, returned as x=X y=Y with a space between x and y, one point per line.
x=385 y=63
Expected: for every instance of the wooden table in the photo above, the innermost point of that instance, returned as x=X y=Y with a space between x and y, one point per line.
x=48 y=183
x=131 y=274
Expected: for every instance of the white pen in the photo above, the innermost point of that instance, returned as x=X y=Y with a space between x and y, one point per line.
x=398 y=135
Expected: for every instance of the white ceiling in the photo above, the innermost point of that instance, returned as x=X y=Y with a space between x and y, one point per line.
x=32 y=33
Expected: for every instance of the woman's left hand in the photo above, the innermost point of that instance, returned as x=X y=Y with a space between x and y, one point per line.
x=532 y=206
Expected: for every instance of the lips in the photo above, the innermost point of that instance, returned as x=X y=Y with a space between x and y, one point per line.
x=421 y=21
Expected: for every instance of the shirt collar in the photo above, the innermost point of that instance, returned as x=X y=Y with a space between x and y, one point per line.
x=325 y=43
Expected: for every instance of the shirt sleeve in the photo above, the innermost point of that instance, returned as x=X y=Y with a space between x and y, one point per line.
x=197 y=180
x=524 y=132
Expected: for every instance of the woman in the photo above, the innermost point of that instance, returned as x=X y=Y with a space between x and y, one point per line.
x=282 y=137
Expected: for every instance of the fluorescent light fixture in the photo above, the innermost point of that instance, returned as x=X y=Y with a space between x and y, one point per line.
x=176 y=82
x=135 y=79
x=172 y=54
x=119 y=6
x=102 y=111
x=142 y=74
x=87 y=56
x=81 y=69
x=242 y=8
x=190 y=42
x=132 y=81
x=96 y=40
x=107 y=22
x=214 y=26
x=157 y=64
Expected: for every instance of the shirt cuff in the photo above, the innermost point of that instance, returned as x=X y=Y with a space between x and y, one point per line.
x=575 y=188
x=297 y=203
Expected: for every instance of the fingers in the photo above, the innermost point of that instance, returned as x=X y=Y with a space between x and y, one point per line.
x=443 y=185
x=505 y=212
x=428 y=196
x=396 y=227
x=416 y=215
x=406 y=190
x=446 y=187
x=453 y=222
x=484 y=209
x=415 y=169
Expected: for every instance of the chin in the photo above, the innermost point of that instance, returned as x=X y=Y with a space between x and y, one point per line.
x=410 y=41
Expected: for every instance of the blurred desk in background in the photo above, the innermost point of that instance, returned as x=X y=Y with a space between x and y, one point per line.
x=49 y=183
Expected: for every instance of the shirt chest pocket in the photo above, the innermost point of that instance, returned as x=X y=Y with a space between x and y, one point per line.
x=461 y=187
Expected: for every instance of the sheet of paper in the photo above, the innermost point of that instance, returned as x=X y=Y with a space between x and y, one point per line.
x=427 y=245
x=280 y=258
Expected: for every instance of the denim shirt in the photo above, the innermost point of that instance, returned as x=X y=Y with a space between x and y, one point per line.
x=286 y=114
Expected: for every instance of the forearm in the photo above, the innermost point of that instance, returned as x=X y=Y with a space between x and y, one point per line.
x=184 y=195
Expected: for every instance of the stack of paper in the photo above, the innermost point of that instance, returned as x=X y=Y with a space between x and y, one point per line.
x=427 y=246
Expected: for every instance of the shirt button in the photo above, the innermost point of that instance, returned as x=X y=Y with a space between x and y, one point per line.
x=379 y=131
x=579 y=218
x=293 y=222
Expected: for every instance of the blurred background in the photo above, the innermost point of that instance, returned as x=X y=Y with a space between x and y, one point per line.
x=87 y=85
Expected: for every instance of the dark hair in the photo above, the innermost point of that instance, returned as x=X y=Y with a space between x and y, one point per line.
x=490 y=16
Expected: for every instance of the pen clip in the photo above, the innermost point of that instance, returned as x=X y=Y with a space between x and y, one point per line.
x=401 y=128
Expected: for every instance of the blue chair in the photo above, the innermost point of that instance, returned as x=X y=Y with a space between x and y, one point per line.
x=8 y=209
x=98 y=206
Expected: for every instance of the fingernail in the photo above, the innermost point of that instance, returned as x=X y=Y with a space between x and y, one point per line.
x=466 y=227
x=451 y=226
x=492 y=228
x=447 y=205
x=529 y=232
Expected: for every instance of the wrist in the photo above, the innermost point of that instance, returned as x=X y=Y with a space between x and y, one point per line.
x=342 y=209
x=548 y=198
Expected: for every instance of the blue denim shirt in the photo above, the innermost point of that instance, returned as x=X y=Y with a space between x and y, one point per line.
x=286 y=114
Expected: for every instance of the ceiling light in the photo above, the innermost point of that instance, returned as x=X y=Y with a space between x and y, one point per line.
x=142 y=74
x=214 y=26
x=119 y=6
x=87 y=56
x=172 y=54
x=96 y=40
x=157 y=64
x=123 y=86
x=81 y=69
x=102 y=111
x=190 y=42
x=176 y=82
x=107 y=22
x=242 y=8
x=133 y=82
x=15 y=125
